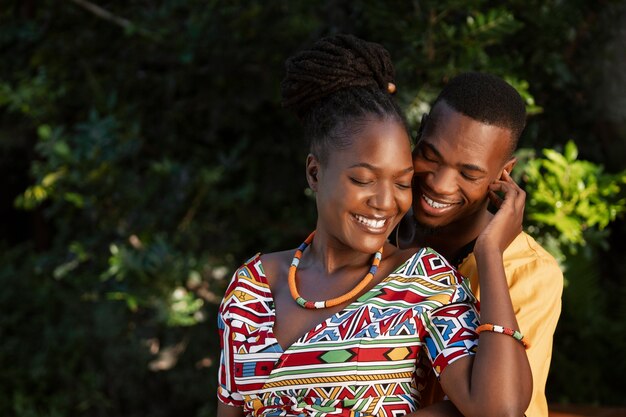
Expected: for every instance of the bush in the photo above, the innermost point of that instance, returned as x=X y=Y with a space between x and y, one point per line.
x=146 y=155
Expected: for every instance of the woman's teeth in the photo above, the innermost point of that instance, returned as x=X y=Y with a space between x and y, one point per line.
x=433 y=203
x=376 y=224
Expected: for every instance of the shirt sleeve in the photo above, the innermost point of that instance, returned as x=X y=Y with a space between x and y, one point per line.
x=450 y=329
x=227 y=388
x=538 y=308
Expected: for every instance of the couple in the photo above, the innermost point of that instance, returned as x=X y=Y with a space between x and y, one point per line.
x=348 y=324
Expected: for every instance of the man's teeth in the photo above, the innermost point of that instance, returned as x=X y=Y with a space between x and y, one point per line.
x=376 y=224
x=435 y=204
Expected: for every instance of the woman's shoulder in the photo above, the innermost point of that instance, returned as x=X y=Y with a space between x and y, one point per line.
x=252 y=268
x=277 y=258
x=249 y=278
x=259 y=274
x=259 y=264
x=249 y=283
x=248 y=297
x=276 y=265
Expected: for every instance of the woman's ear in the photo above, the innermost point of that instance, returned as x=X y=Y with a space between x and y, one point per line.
x=312 y=171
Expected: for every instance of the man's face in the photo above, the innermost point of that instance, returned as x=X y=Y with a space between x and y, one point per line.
x=455 y=161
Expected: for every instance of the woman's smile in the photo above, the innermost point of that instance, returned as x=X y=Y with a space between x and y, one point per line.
x=373 y=224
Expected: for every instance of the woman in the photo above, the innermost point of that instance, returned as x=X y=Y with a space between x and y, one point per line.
x=345 y=324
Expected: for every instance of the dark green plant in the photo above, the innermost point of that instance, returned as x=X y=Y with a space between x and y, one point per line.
x=570 y=205
x=571 y=201
x=147 y=155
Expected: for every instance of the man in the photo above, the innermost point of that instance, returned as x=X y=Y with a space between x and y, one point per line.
x=466 y=143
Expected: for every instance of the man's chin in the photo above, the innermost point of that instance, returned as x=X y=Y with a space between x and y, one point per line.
x=424 y=229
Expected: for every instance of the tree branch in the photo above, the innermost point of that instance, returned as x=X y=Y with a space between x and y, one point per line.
x=104 y=14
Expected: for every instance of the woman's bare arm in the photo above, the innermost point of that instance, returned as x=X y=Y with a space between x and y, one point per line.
x=440 y=409
x=498 y=380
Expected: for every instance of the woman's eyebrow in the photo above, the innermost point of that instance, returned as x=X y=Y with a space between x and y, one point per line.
x=363 y=165
x=373 y=168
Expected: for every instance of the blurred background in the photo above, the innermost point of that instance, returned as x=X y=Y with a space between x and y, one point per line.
x=144 y=155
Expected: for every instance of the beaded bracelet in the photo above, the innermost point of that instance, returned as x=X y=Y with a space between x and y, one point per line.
x=504 y=330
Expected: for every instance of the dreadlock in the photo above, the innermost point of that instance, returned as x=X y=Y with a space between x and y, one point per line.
x=335 y=85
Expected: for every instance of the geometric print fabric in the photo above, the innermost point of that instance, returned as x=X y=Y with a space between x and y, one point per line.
x=366 y=360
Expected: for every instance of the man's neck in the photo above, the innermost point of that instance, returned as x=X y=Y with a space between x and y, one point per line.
x=450 y=240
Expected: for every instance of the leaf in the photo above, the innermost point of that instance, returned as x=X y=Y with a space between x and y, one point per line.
x=571 y=151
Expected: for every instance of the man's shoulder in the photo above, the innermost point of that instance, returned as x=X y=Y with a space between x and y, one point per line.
x=526 y=257
x=525 y=248
x=525 y=260
x=533 y=275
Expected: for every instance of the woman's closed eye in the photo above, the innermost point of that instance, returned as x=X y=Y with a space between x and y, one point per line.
x=361 y=181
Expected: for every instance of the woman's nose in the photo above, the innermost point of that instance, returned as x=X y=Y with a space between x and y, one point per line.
x=383 y=197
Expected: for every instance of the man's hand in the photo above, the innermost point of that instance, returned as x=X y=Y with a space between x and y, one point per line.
x=506 y=224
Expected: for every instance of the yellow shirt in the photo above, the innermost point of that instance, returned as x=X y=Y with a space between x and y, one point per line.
x=535 y=284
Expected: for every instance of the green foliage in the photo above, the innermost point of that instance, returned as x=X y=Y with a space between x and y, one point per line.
x=146 y=155
x=570 y=196
x=570 y=205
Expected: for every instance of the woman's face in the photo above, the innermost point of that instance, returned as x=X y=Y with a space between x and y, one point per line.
x=364 y=190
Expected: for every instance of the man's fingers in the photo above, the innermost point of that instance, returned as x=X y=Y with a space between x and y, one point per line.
x=511 y=196
x=495 y=199
x=509 y=189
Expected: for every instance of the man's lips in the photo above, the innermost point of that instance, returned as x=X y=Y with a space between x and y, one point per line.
x=434 y=203
x=434 y=207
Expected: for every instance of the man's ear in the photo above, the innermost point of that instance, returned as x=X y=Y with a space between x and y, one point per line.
x=509 y=165
x=312 y=171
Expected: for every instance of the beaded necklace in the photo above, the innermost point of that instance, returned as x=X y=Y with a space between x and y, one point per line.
x=335 y=301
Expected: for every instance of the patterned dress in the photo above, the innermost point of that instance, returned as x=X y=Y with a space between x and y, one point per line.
x=366 y=360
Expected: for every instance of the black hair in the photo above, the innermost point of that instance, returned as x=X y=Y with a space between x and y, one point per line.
x=335 y=85
x=487 y=99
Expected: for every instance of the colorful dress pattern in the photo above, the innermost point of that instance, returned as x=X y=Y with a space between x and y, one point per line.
x=366 y=360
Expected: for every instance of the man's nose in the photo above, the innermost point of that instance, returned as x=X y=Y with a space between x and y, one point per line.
x=443 y=181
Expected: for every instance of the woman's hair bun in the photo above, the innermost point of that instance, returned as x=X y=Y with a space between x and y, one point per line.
x=332 y=64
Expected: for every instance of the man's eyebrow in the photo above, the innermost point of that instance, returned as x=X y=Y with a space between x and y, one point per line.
x=469 y=167
x=472 y=167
